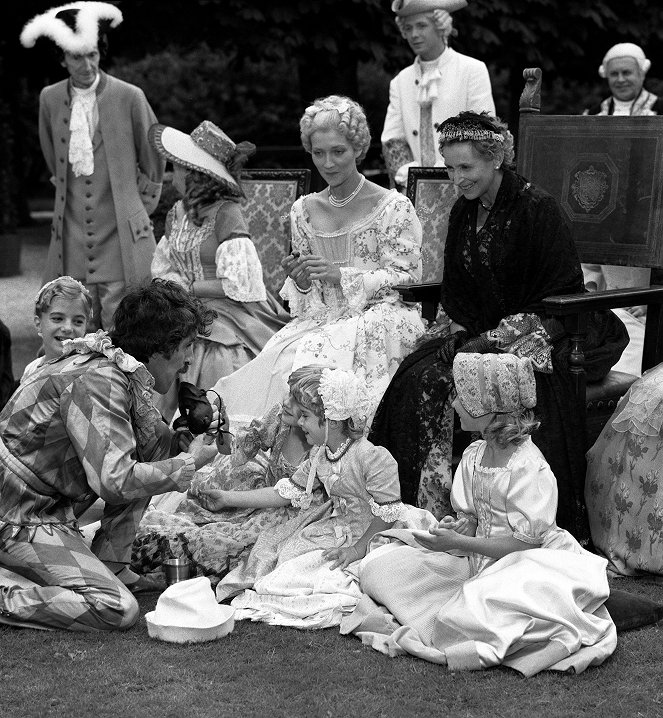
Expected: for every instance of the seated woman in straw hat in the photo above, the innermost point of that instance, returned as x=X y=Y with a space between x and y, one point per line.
x=207 y=249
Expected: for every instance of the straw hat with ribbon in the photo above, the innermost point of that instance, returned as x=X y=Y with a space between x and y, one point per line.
x=187 y=612
x=208 y=149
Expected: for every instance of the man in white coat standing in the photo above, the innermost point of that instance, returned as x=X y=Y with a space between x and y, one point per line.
x=439 y=84
x=93 y=133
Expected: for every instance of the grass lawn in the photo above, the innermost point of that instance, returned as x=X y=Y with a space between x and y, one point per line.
x=261 y=670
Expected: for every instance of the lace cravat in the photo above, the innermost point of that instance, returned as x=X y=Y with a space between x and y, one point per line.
x=84 y=117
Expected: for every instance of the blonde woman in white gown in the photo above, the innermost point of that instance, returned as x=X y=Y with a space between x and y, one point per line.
x=351 y=243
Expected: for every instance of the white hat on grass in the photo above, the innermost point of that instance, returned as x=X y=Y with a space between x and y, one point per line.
x=187 y=612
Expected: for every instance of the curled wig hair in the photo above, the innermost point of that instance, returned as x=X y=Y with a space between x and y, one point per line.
x=511 y=428
x=340 y=113
x=156 y=318
x=444 y=29
x=305 y=389
x=466 y=124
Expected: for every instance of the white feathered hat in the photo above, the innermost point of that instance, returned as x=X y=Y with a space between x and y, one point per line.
x=83 y=38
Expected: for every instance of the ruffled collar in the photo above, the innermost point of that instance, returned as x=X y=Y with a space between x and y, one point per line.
x=141 y=382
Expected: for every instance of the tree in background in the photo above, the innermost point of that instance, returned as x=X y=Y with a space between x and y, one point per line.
x=255 y=64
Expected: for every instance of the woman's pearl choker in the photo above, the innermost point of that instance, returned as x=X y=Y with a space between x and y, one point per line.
x=342 y=202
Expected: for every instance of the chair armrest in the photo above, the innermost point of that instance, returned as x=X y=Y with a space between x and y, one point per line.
x=567 y=304
x=428 y=293
x=573 y=308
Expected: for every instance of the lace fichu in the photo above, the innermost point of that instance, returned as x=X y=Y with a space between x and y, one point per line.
x=641 y=411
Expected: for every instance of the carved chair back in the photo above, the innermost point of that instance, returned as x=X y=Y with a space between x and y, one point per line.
x=607 y=176
x=433 y=194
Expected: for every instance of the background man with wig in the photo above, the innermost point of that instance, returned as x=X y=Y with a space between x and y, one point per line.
x=439 y=84
x=625 y=67
x=85 y=427
x=93 y=134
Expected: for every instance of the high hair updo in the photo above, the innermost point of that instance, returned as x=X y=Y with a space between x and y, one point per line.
x=340 y=113
x=443 y=22
x=489 y=136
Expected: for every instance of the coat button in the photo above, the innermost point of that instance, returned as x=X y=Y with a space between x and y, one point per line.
x=89 y=246
x=416 y=82
x=88 y=194
x=63 y=140
x=415 y=133
x=90 y=234
x=88 y=208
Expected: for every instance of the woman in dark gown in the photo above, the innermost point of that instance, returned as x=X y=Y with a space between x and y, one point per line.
x=508 y=248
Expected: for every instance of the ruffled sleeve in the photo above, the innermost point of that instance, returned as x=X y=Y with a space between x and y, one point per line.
x=239 y=268
x=381 y=472
x=462 y=500
x=399 y=256
x=163 y=266
x=294 y=488
x=531 y=499
x=259 y=435
x=237 y=261
x=301 y=303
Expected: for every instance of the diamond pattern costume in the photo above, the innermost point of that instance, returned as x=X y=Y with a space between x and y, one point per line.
x=82 y=427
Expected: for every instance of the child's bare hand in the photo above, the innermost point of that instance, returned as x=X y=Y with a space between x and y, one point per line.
x=436 y=539
x=466 y=526
x=212 y=499
x=342 y=557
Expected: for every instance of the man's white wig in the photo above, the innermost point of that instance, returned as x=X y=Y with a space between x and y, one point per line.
x=625 y=49
x=85 y=36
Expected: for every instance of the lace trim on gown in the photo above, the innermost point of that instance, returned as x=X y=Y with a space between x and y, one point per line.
x=642 y=413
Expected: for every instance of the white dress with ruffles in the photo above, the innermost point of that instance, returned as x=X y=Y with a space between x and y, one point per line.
x=361 y=325
x=541 y=608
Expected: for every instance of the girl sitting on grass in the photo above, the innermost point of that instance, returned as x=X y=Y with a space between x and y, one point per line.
x=200 y=528
x=499 y=582
x=63 y=309
x=294 y=574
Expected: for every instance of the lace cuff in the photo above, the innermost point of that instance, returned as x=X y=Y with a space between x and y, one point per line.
x=303 y=304
x=353 y=287
x=287 y=489
x=396 y=153
x=239 y=268
x=389 y=512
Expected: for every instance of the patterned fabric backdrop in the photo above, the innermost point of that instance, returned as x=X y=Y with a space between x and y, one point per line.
x=269 y=196
x=433 y=196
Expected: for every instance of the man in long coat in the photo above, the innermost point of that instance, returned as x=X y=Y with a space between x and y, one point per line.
x=93 y=134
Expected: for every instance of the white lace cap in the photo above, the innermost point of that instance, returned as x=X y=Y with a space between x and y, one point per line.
x=344 y=395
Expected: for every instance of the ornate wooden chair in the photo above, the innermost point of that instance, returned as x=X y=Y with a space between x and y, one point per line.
x=607 y=175
x=433 y=194
x=269 y=195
